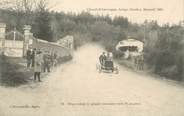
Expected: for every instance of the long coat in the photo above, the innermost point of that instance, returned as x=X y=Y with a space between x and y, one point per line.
x=38 y=63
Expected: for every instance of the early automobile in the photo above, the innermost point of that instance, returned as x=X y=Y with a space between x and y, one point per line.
x=107 y=66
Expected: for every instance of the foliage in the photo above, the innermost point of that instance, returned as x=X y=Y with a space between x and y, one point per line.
x=163 y=44
x=42 y=26
x=13 y=74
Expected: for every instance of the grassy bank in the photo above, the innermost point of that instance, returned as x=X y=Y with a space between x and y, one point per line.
x=13 y=71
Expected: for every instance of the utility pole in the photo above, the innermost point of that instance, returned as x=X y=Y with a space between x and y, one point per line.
x=144 y=32
x=144 y=43
x=14 y=34
x=183 y=13
x=182 y=20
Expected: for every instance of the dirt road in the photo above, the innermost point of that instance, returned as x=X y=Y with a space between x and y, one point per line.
x=77 y=89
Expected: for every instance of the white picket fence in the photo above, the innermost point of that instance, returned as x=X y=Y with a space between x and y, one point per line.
x=12 y=48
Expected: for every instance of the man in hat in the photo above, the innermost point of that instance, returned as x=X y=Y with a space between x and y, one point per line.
x=37 y=66
x=102 y=58
x=46 y=61
x=29 y=57
x=33 y=57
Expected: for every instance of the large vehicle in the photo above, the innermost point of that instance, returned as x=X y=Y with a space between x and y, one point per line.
x=130 y=47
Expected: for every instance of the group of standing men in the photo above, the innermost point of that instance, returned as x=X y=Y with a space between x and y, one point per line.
x=139 y=62
x=40 y=61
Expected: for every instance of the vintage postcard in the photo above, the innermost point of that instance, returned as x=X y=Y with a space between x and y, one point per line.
x=91 y=57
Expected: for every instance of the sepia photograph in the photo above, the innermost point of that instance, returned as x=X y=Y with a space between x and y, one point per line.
x=91 y=58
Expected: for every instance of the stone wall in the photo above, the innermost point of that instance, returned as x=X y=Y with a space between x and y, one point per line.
x=31 y=42
x=51 y=47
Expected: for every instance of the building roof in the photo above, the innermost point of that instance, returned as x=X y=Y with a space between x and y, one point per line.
x=130 y=42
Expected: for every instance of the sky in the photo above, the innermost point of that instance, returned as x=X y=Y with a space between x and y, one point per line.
x=164 y=11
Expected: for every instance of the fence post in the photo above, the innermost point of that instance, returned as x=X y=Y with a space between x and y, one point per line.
x=27 y=38
x=2 y=36
x=71 y=43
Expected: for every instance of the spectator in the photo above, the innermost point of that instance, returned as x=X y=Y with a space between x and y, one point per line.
x=33 y=57
x=127 y=54
x=37 y=66
x=136 y=62
x=46 y=62
x=28 y=57
x=141 y=62
x=55 y=59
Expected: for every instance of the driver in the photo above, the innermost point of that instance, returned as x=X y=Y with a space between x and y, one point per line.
x=102 y=58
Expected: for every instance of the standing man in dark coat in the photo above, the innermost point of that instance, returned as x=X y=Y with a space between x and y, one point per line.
x=38 y=66
x=28 y=57
x=54 y=58
x=33 y=57
x=46 y=62
x=102 y=58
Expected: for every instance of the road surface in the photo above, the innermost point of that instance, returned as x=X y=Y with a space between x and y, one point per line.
x=77 y=89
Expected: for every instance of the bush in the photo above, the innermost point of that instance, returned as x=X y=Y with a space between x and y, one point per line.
x=13 y=74
x=170 y=72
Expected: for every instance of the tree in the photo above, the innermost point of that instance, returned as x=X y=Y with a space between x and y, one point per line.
x=42 y=22
x=42 y=26
x=121 y=21
x=21 y=8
